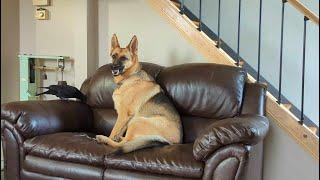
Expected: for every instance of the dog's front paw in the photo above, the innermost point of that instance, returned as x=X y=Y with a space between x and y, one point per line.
x=101 y=139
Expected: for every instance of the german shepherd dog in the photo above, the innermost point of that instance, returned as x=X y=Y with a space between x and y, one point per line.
x=146 y=117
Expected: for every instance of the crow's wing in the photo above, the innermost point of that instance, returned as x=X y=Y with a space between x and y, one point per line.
x=69 y=92
x=55 y=88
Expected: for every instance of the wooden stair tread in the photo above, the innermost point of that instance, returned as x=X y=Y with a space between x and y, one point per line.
x=287 y=105
x=176 y=3
x=313 y=129
x=197 y=23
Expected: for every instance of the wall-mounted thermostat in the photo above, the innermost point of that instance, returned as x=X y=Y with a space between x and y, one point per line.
x=41 y=2
x=42 y=14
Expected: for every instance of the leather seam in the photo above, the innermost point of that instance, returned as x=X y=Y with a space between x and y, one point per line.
x=4 y=146
x=16 y=126
x=19 y=158
x=14 y=134
x=237 y=169
x=40 y=149
x=18 y=117
x=15 y=120
x=153 y=165
x=140 y=163
x=105 y=168
x=44 y=174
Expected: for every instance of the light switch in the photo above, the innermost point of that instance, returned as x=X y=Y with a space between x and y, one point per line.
x=42 y=14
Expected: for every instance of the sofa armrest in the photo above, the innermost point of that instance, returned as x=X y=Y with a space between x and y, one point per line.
x=247 y=129
x=34 y=118
x=228 y=162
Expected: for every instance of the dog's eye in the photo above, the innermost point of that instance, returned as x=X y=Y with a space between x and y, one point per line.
x=114 y=56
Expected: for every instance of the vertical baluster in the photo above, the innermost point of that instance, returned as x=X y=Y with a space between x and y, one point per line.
x=200 y=15
x=219 y=17
x=259 y=46
x=238 y=44
x=303 y=68
x=281 y=51
x=181 y=6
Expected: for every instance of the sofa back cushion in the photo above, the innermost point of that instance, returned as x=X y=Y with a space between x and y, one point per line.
x=204 y=89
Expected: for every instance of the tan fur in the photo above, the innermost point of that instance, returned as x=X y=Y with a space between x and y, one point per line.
x=142 y=118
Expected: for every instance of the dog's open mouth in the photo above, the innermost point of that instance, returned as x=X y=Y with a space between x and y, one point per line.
x=117 y=70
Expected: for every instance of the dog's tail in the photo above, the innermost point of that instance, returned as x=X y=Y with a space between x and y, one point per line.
x=140 y=143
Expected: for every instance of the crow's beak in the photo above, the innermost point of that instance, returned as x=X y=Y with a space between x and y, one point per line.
x=38 y=94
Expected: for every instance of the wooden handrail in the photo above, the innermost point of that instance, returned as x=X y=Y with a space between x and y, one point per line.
x=305 y=11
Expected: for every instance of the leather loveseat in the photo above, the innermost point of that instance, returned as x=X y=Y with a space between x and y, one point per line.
x=223 y=122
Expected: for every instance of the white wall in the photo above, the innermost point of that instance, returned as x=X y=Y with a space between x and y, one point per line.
x=68 y=32
x=285 y=159
x=158 y=41
x=9 y=50
x=3 y=56
x=3 y=90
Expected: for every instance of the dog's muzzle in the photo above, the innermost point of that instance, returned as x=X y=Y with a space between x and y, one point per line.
x=117 y=70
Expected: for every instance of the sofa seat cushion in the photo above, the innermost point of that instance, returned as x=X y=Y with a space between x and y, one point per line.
x=62 y=169
x=69 y=147
x=174 y=160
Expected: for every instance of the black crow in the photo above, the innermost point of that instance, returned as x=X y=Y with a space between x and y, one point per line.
x=64 y=92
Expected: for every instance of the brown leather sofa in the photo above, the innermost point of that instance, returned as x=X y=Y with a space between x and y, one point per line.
x=222 y=116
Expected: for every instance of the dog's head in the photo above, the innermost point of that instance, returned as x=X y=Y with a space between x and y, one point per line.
x=123 y=59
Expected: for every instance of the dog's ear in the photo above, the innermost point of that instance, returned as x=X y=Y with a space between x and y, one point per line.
x=133 y=45
x=114 y=42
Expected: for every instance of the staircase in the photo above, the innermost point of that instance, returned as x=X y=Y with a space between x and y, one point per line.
x=212 y=47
